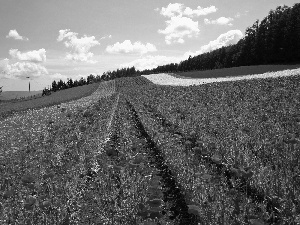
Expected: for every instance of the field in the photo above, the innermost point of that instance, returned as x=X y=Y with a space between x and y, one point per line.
x=236 y=71
x=9 y=107
x=9 y=95
x=175 y=80
x=132 y=152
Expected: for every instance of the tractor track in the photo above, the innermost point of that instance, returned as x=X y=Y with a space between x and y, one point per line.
x=172 y=192
x=176 y=208
x=255 y=194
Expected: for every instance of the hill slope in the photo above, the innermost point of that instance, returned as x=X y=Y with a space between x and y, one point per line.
x=6 y=108
x=8 y=95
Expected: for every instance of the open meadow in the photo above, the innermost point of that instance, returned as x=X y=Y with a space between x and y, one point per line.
x=10 y=95
x=130 y=151
x=9 y=107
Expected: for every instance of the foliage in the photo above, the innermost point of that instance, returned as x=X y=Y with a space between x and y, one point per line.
x=109 y=75
x=274 y=40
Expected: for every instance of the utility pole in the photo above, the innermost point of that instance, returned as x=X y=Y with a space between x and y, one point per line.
x=29 y=84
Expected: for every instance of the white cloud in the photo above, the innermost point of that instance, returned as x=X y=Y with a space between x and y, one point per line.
x=80 y=47
x=178 y=28
x=105 y=37
x=21 y=70
x=14 y=34
x=34 y=56
x=3 y=62
x=230 y=37
x=59 y=76
x=237 y=15
x=220 y=21
x=150 y=62
x=178 y=9
x=199 y=11
x=127 y=47
x=81 y=57
x=172 y=10
x=179 y=25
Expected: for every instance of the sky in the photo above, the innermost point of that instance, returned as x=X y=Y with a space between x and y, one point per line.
x=46 y=40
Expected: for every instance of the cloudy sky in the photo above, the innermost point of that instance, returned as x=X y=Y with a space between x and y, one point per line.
x=49 y=40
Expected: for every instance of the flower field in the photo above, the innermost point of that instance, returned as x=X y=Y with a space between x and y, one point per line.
x=134 y=152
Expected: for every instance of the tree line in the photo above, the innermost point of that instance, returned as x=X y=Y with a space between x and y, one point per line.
x=274 y=40
x=109 y=75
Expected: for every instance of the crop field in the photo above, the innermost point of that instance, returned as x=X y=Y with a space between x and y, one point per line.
x=236 y=71
x=133 y=152
x=9 y=107
x=14 y=95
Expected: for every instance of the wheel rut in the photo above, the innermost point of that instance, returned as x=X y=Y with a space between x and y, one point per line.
x=255 y=194
x=172 y=193
x=174 y=206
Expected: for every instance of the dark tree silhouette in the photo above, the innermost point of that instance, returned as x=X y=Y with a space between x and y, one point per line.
x=274 y=40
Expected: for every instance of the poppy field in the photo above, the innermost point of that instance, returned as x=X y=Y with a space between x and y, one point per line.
x=134 y=152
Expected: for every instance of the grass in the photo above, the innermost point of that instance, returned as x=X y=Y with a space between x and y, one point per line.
x=10 y=107
x=11 y=95
x=235 y=71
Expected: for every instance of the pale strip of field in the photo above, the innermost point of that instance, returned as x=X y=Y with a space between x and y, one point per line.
x=168 y=79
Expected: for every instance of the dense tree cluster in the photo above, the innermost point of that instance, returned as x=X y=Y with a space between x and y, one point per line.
x=273 y=40
x=61 y=85
x=124 y=72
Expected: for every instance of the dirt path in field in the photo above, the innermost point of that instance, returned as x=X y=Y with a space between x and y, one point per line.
x=175 y=206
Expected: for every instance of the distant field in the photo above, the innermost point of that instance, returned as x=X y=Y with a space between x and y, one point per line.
x=235 y=71
x=175 y=80
x=8 y=95
x=7 y=108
